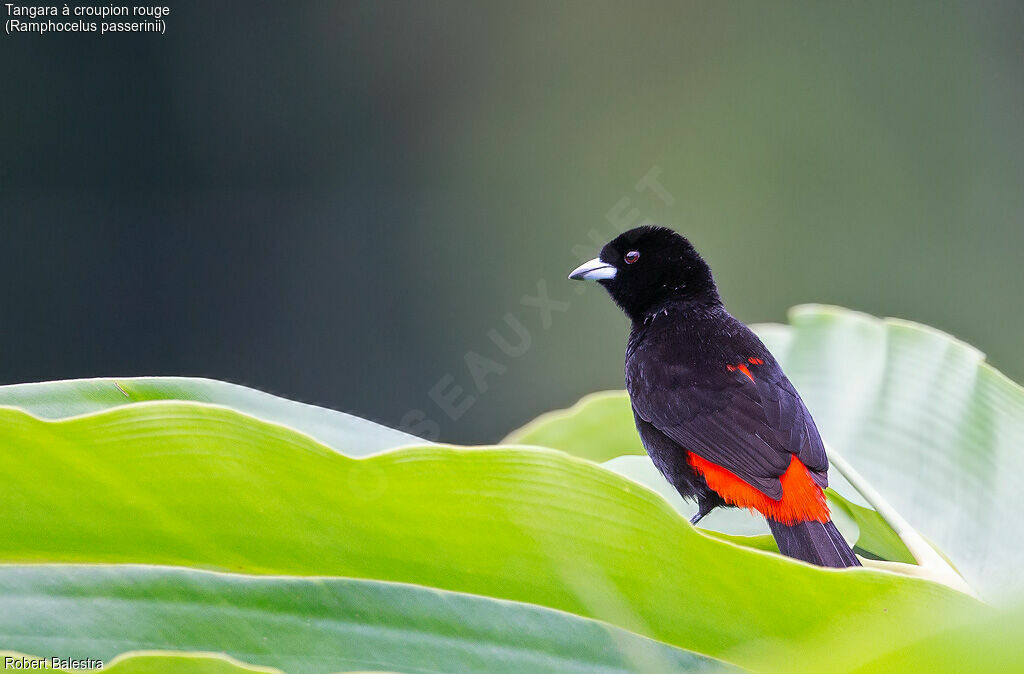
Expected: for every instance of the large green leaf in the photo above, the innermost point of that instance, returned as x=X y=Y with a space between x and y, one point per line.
x=308 y=624
x=68 y=398
x=936 y=430
x=199 y=485
x=929 y=424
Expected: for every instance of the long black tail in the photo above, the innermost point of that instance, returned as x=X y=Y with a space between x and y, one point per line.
x=814 y=542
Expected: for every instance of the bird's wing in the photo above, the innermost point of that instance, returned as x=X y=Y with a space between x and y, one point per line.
x=750 y=428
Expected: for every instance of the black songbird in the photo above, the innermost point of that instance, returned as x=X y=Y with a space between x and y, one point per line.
x=716 y=413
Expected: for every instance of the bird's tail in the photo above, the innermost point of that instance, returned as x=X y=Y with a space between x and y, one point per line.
x=815 y=542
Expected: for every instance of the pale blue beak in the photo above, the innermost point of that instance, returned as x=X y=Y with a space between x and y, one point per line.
x=593 y=270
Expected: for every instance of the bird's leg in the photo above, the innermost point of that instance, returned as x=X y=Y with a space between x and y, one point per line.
x=704 y=506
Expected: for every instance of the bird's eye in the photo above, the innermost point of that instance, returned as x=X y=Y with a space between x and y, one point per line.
x=632 y=256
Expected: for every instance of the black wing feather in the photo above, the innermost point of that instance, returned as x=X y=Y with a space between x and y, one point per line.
x=750 y=428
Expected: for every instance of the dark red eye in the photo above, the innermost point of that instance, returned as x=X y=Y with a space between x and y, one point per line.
x=632 y=256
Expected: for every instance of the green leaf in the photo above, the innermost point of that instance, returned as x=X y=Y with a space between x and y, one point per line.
x=198 y=485
x=305 y=624
x=759 y=542
x=933 y=427
x=343 y=432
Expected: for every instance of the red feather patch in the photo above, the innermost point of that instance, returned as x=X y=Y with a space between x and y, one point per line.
x=802 y=500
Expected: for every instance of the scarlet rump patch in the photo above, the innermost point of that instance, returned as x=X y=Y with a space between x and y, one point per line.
x=802 y=500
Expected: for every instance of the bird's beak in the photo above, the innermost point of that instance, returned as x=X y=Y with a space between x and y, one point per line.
x=593 y=270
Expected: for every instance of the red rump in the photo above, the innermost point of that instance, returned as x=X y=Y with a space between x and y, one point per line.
x=802 y=500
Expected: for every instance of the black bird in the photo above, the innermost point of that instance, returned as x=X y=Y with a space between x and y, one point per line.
x=713 y=408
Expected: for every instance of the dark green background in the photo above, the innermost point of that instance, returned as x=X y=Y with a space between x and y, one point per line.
x=337 y=201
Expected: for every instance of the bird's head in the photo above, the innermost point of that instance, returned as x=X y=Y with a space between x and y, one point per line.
x=648 y=266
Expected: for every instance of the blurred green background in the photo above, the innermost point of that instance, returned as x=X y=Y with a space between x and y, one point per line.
x=337 y=202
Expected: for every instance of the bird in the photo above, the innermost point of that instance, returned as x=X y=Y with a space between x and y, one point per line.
x=713 y=408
